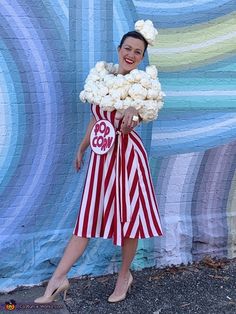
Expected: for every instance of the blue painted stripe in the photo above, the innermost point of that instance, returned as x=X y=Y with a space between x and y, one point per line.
x=180 y=6
x=42 y=73
x=180 y=18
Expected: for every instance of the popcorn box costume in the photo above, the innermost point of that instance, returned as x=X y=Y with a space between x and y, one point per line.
x=118 y=200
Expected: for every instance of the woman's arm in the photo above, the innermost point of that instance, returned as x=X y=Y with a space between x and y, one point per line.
x=84 y=144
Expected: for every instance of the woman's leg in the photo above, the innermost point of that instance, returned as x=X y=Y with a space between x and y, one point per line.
x=73 y=251
x=128 y=253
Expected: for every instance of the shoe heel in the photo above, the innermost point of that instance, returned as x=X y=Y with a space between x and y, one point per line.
x=65 y=292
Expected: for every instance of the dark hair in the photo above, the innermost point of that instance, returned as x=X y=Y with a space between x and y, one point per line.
x=134 y=34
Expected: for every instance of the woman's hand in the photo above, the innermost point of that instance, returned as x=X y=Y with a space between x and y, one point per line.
x=125 y=129
x=83 y=145
x=79 y=159
x=128 y=124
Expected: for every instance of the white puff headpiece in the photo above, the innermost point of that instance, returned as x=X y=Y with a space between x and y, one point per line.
x=147 y=30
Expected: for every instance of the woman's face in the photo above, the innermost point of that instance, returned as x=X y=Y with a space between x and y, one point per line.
x=130 y=54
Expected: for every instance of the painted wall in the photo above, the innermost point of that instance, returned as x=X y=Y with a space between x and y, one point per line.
x=46 y=50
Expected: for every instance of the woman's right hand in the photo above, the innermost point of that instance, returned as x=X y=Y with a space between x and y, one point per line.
x=79 y=159
x=84 y=145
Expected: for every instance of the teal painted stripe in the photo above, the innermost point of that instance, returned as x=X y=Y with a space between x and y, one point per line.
x=198 y=84
x=200 y=102
x=11 y=94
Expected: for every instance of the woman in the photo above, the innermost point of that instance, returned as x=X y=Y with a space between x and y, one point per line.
x=113 y=177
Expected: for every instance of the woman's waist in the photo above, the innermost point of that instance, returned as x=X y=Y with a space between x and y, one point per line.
x=113 y=117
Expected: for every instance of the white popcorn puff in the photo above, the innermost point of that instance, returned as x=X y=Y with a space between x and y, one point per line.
x=151 y=70
x=107 y=103
x=156 y=84
x=82 y=96
x=130 y=78
x=88 y=87
x=120 y=80
x=118 y=104
x=116 y=93
x=94 y=77
x=97 y=99
x=93 y=71
x=147 y=30
x=152 y=94
x=127 y=102
x=136 y=75
x=103 y=73
x=149 y=110
x=137 y=91
x=160 y=104
x=124 y=91
x=146 y=83
x=95 y=89
x=89 y=97
x=139 y=25
x=145 y=75
x=109 y=80
x=110 y=67
x=162 y=94
x=100 y=66
x=103 y=90
x=115 y=69
x=138 y=104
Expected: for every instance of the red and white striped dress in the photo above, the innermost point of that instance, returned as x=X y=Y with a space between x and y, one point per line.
x=118 y=200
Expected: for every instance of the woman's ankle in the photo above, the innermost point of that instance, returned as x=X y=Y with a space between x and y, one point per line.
x=124 y=273
x=58 y=277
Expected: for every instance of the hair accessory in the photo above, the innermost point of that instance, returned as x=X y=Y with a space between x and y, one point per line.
x=147 y=30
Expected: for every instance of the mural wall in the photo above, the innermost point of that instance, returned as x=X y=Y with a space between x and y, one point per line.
x=46 y=50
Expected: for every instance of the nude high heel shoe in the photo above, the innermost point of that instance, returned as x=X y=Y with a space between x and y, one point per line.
x=48 y=299
x=117 y=298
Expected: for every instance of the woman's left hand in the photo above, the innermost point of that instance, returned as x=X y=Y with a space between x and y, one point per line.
x=128 y=124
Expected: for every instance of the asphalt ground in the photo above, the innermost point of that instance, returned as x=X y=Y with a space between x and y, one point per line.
x=207 y=287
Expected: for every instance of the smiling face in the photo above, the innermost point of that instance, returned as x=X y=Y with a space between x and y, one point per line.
x=130 y=54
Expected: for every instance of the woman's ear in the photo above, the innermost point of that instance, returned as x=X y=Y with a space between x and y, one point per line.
x=118 y=49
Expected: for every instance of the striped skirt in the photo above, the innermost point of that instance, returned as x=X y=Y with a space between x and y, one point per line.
x=118 y=199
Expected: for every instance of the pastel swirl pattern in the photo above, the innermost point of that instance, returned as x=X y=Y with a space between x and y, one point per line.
x=193 y=141
x=35 y=109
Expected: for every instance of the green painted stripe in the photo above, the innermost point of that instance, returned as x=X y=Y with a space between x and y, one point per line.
x=195 y=35
x=190 y=60
x=184 y=36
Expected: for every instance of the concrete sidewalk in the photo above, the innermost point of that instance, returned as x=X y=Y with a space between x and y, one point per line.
x=207 y=287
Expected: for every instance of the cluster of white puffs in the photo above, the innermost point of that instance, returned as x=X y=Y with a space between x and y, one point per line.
x=147 y=29
x=113 y=91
